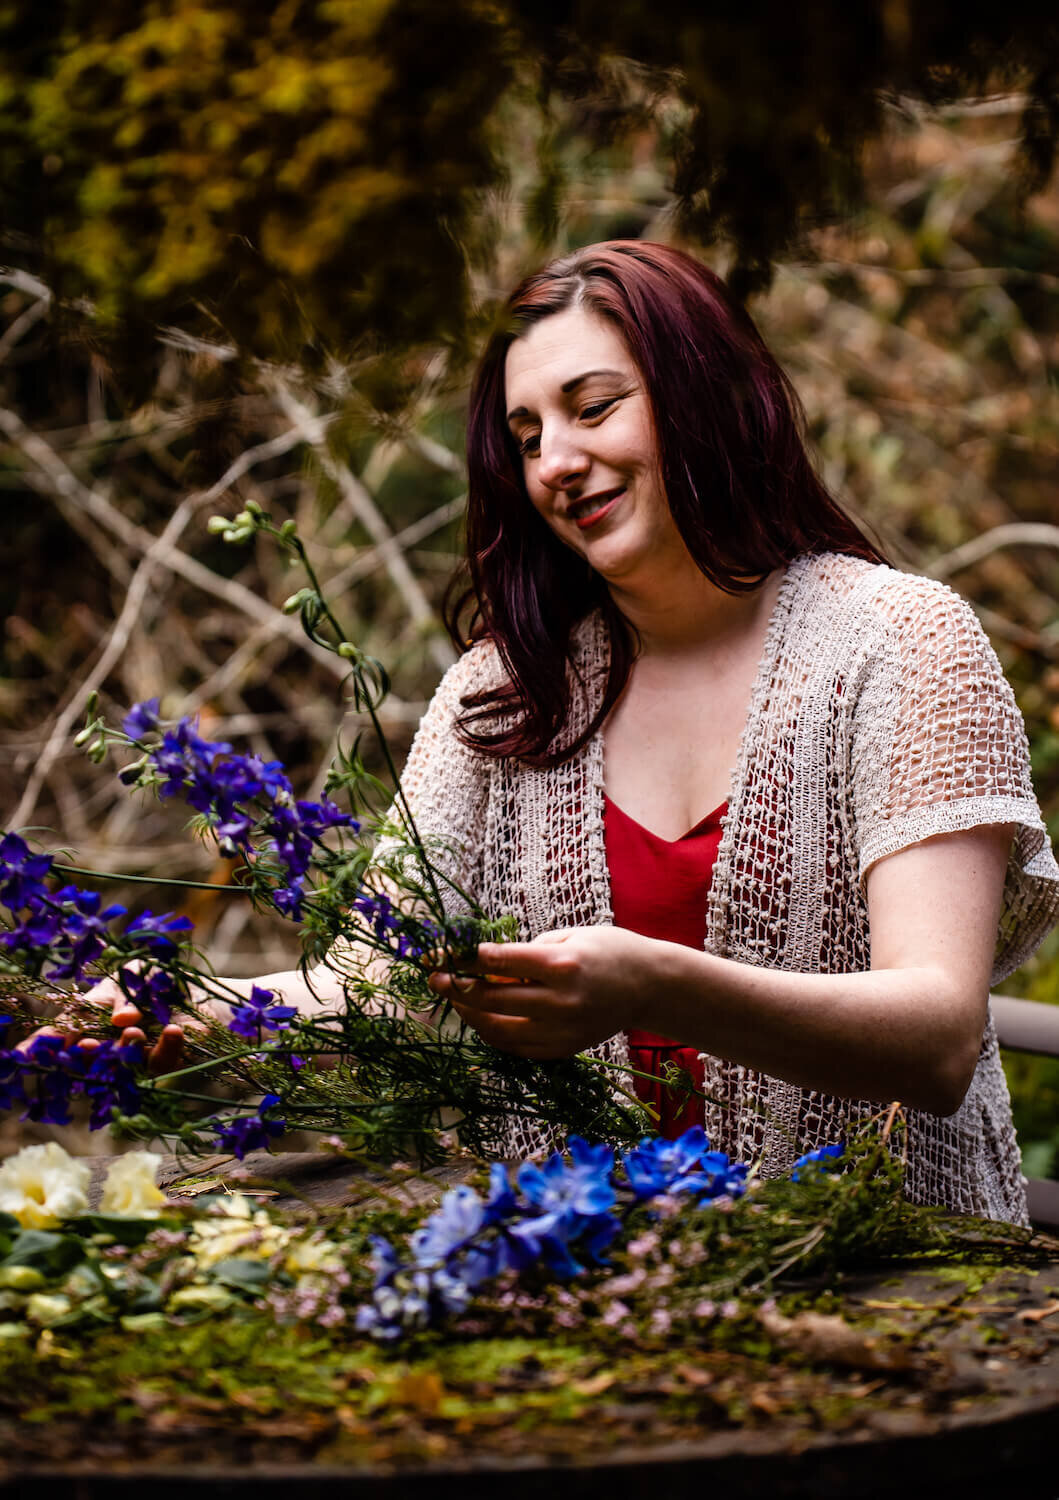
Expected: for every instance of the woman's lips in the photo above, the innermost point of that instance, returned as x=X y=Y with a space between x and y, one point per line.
x=598 y=507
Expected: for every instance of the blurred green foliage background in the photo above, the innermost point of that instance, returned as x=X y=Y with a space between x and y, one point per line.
x=251 y=249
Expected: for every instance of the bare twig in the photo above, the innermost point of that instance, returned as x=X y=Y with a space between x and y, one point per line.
x=62 y=481
x=375 y=557
x=119 y=637
x=367 y=512
x=1017 y=534
x=161 y=550
x=21 y=325
x=967 y=276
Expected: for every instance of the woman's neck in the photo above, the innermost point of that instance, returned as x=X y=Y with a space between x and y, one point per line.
x=685 y=612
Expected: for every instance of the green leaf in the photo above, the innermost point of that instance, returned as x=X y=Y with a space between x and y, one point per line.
x=243 y=1275
x=124 y=1229
x=44 y=1251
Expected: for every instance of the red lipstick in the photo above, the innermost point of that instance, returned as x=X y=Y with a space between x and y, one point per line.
x=601 y=505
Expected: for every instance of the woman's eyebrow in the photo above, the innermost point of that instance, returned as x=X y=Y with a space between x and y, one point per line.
x=571 y=385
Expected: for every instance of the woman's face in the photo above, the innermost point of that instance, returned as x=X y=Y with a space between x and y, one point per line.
x=582 y=420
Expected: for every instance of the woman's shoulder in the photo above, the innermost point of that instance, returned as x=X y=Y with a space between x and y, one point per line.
x=904 y=604
x=478 y=669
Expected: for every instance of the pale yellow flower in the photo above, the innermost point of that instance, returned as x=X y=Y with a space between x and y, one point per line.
x=42 y=1185
x=44 y=1309
x=235 y=1230
x=313 y=1255
x=130 y=1189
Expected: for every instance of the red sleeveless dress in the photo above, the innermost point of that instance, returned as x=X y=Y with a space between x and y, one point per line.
x=658 y=887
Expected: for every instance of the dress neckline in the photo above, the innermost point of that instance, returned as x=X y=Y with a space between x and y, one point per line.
x=711 y=820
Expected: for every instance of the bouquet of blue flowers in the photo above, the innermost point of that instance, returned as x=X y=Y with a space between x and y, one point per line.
x=399 y=1075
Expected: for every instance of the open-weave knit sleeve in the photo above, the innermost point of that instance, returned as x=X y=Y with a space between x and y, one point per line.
x=939 y=746
x=445 y=782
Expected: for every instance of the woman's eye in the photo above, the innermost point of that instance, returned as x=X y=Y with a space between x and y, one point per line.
x=597 y=409
x=529 y=444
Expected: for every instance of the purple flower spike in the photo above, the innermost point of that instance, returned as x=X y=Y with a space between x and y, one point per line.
x=141 y=719
x=22 y=873
x=156 y=993
x=157 y=933
x=259 y=1014
x=250 y=1132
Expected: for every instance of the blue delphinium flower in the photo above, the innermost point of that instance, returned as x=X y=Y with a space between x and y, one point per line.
x=297 y=828
x=407 y=1298
x=727 y=1179
x=158 y=934
x=22 y=874
x=141 y=719
x=573 y=1203
x=660 y=1166
x=67 y=930
x=824 y=1159
x=153 y=991
x=405 y=935
x=259 y=1014
x=585 y=1188
x=182 y=760
x=289 y=899
x=449 y=1233
x=250 y=1132
x=686 y=1165
x=54 y=1072
x=107 y=1080
x=243 y=799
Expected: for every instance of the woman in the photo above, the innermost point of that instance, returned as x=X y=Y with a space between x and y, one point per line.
x=672 y=619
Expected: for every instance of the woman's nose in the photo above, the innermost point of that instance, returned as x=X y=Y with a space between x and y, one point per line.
x=563 y=462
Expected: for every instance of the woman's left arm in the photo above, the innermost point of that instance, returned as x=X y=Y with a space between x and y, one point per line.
x=909 y=1028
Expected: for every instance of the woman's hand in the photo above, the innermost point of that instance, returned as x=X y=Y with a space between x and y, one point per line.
x=164 y=1056
x=557 y=995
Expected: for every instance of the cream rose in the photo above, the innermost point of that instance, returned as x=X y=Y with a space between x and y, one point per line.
x=131 y=1188
x=42 y=1185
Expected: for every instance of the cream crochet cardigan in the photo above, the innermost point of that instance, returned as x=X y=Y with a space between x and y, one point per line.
x=880 y=716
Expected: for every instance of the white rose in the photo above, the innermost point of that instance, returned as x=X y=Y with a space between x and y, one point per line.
x=130 y=1188
x=41 y=1185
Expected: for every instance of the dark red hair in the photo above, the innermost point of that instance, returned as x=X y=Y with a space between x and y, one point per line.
x=741 y=488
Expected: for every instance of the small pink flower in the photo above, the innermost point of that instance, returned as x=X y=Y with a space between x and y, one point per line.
x=620 y=1285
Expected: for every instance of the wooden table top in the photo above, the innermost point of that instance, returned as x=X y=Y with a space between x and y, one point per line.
x=976 y=1410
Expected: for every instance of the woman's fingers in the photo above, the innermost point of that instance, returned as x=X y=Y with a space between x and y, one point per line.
x=168 y=1051
x=27 y=1041
x=109 y=993
x=487 y=996
x=520 y=1034
x=543 y=959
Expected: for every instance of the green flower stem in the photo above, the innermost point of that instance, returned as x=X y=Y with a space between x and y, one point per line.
x=310 y=572
x=152 y=1086
x=203 y=1067
x=186 y=885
